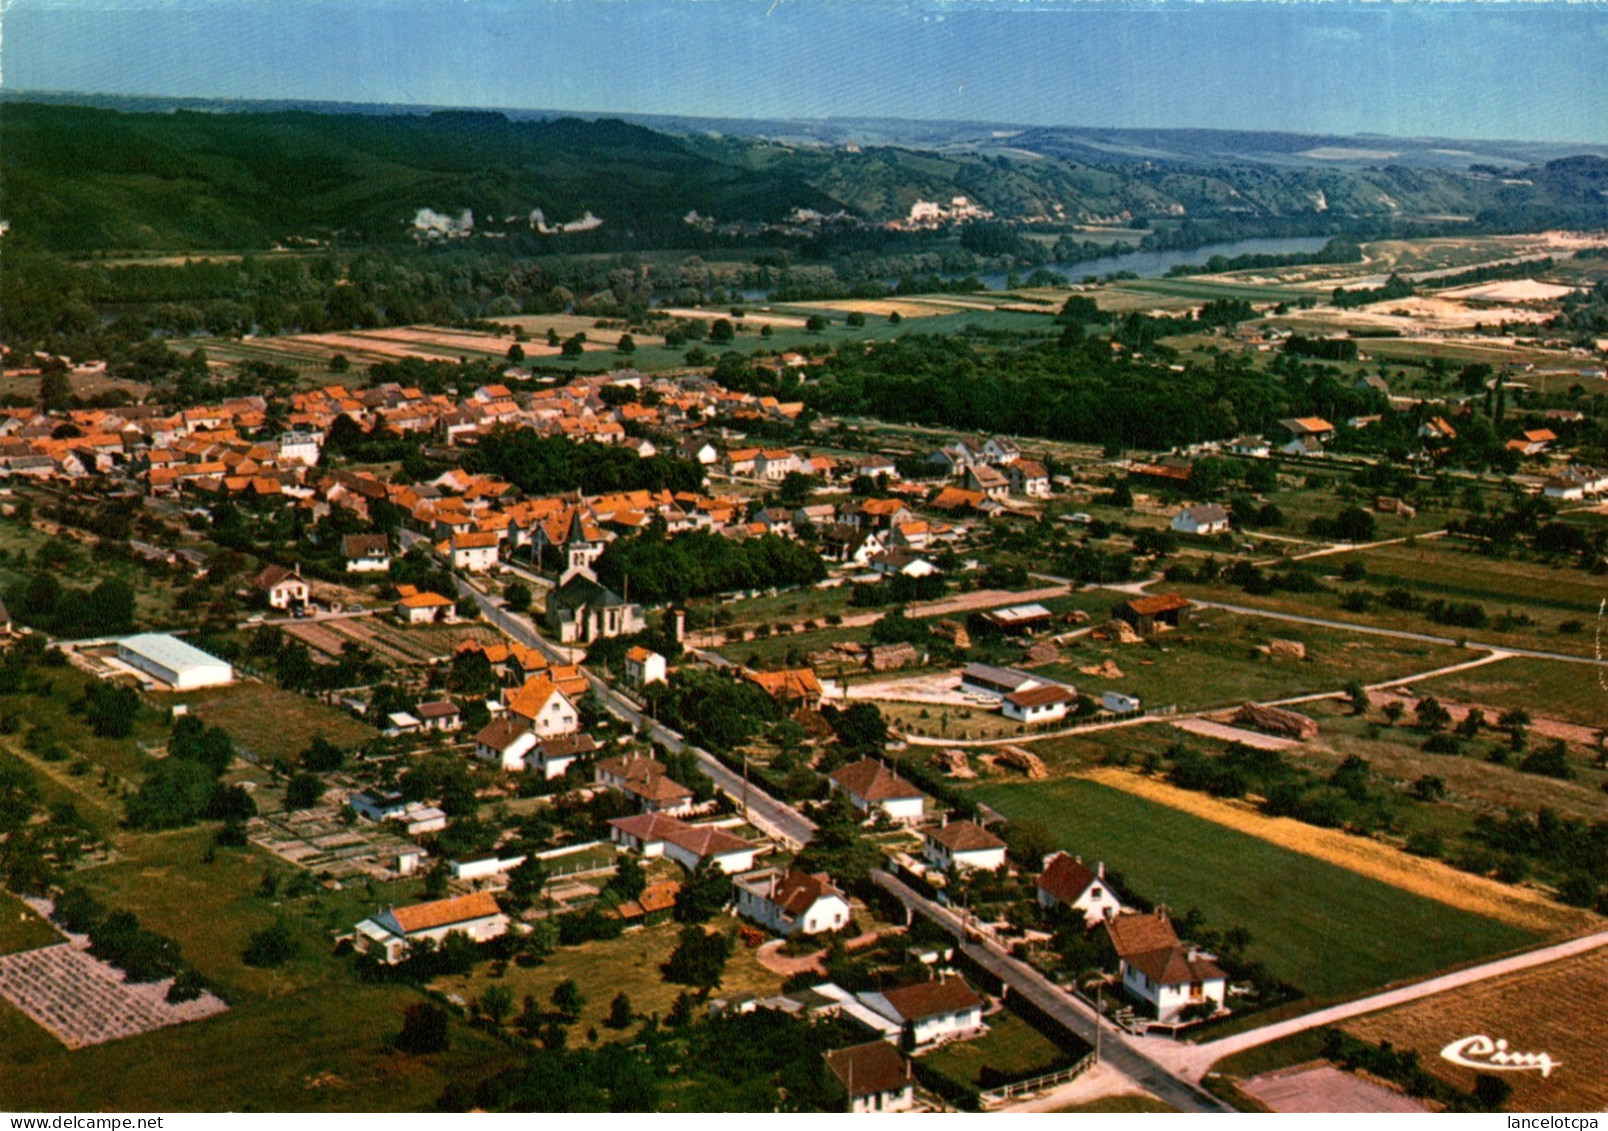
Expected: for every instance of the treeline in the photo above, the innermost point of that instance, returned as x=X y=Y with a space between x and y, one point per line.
x=1080 y=392
x=1340 y=249
x=1394 y=287
x=700 y=563
x=545 y=465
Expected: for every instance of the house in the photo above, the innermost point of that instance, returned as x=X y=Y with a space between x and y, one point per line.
x=930 y=1011
x=989 y=481
x=655 y=834
x=773 y=465
x=415 y=607
x=554 y=754
x=965 y=845
x=1309 y=427
x=473 y=551
x=581 y=610
x=1162 y=973
x=850 y=545
x=285 y=588
x=797 y=903
x=699 y=451
x=1002 y=451
x=1532 y=442
x=1253 y=446
x=1027 y=618
x=1038 y=704
x=984 y=679
x=871 y=785
x=793 y=687
x=366 y=553
x=1568 y=490
x=904 y=563
x=442 y=715
x=1437 y=428
x=389 y=935
x=543 y=707
x=872 y=1077
x=643 y=666
x=399 y=723
x=1206 y=518
x=1070 y=883
x=1119 y=703
x=656 y=904
x=1145 y=614
x=506 y=741
x=415 y=816
x=1029 y=477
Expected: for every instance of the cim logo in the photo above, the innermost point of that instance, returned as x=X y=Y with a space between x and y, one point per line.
x=1482 y=1052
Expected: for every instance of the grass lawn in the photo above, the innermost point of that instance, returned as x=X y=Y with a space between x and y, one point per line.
x=1214 y=662
x=273 y=725
x=20 y=928
x=1326 y=930
x=790 y=606
x=318 y=1049
x=1012 y=1048
x=629 y=964
x=772 y=650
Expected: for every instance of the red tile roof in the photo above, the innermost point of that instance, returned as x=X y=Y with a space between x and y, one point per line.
x=928 y=999
x=874 y=782
x=445 y=912
x=869 y=1069
x=965 y=836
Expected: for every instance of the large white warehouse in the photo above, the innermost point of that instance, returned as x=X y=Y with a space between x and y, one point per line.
x=174 y=662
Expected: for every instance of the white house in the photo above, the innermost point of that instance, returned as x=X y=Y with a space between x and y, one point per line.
x=366 y=553
x=389 y=934
x=871 y=785
x=872 y=1077
x=543 y=707
x=1001 y=450
x=442 y=715
x=984 y=679
x=655 y=834
x=904 y=563
x=1067 y=882
x=797 y=903
x=773 y=465
x=965 y=845
x=643 y=666
x=1029 y=477
x=1162 y=973
x=1253 y=446
x=414 y=607
x=506 y=741
x=1038 y=704
x=1206 y=518
x=474 y=551
x=930 y=1011
x=285 y=588
x=299 y=447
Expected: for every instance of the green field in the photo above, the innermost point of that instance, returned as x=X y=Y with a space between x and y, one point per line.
x=1215 y=666
x=20 y=928
x=271 y=724
x=1328 y=931
x=1575 y=693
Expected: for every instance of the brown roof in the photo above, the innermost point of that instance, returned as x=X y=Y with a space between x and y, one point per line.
x=360 y=545
x=567 y=745
x=657 y=788
x=654 y=897
x=272 y=575
x=442 y=710
x=631 y=766
x=869 y=1069
x=1175 y=966
x=965 y=836
x=500 y=734
x=873 y=781
x=795 y=683
x=1066 y=877
x=444 y=912
x=927 y=999
x=1133 y=935
x=1161 y=603
x=700 y=840
x=1040 y=696
x=797 y=891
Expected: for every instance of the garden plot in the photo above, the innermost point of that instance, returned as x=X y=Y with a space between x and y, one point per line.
x=320 y=841
x=83 y=1001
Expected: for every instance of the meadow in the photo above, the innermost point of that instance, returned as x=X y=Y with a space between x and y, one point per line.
x=1328 y=931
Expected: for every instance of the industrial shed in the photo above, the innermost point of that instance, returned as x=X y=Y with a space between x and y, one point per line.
x=177 y=664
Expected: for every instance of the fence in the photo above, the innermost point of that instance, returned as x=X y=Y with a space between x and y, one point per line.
x=1037 y=1083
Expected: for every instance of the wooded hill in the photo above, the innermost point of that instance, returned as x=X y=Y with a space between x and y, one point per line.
x=84 y=179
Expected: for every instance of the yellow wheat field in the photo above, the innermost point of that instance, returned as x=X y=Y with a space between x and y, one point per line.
x=1520 y=907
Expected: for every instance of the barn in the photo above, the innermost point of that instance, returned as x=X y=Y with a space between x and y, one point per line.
x=181 y=666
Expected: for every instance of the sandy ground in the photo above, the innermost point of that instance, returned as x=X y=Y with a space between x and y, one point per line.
x=1312 y=1089
x=750 y=317
x=1539 y=727
x=1097 y=1083
x=1521 y=907
x=1254 y=739
x=985 y=599
x=944 y=689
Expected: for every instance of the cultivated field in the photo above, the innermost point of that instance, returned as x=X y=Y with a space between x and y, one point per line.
x=1554 y=1009
x=1519 y=907
x=1547 y=688
x=1328 y=930
x=410 y=647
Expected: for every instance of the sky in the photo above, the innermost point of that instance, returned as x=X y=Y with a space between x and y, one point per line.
x=1406 y=68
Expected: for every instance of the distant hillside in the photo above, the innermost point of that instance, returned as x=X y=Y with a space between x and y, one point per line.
x=78 y=178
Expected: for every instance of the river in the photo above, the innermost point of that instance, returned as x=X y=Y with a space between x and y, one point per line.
x=1154 y=264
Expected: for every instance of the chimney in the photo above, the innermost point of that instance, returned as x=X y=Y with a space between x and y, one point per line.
x=679 y=620
x=1099 y=869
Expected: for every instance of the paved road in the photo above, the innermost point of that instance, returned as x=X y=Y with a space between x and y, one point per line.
x=1067 y=1011
x=1193 y=1061
x=766 y=813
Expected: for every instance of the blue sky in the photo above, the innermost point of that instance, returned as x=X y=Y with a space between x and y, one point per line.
x=1475 y=69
